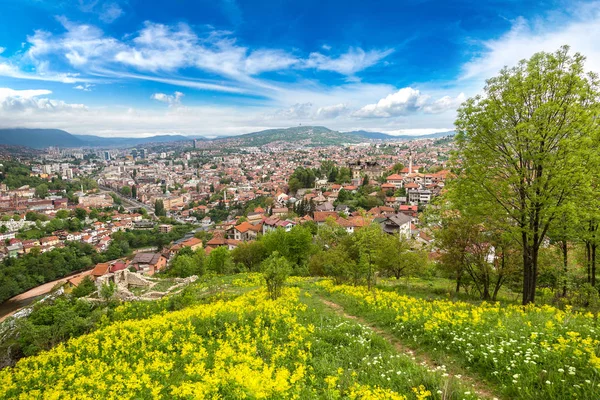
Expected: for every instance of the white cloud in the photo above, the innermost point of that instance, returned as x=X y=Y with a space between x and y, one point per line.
x=2 y=50
x=173 y=99
x=355 y=60
x=332 y=111
x=404 y=101
x=578 y=27
x=28 y=101
x=407 y=101
x=86 y=87
x=296 y=111
x=110 y=12
x=444 y=104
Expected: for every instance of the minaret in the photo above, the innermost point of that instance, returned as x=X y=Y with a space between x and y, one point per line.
x=410 y=163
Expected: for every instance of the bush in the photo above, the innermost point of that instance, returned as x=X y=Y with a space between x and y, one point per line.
x=85 y=288
x=275 y=270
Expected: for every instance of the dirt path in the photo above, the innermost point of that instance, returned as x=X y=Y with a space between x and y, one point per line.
x=14 y=304
x=419 y=357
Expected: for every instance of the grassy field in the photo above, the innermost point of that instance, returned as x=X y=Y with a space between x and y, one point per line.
x=227 y=340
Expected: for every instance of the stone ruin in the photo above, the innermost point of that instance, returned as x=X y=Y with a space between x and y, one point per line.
x=125 y=280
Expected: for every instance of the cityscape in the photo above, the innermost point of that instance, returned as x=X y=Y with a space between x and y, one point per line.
x=282 y=200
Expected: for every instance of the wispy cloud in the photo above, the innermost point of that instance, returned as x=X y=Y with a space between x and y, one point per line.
x=171 y=100
x=408 y=101
x=110 y=12
x=349 y=63
x=577 y=26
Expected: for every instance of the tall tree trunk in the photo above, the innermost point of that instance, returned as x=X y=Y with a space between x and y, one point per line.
x=565 y=266
x=527 y=268
x=588 y=261
x=593 y=265
x=458 y=276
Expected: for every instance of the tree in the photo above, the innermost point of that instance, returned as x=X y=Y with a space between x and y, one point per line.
x=134 y=191
x=367 y=241
x=275 y=271
x=62 y=214
x=41 y=191
x=249 y=254
x=159 y=208
x=126 y=191
x=219 y=261
x=527 y=144
x=80 y=214
x=85 y=288
x=395 y=257
x=107 y=291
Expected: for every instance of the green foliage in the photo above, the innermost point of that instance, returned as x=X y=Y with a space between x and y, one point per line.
x=85 y=288
x=275 y=270
x=188 y=263
x=249 y=254
x=527 y=146
x=301 y=178
x=295 y=245
x=219 y=261
x=33 y=269
x=107 y=291
x=159 y=208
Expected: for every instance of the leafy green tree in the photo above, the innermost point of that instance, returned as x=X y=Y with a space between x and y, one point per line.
x=62 y=214
x=126 y=191
x=41 y=191
x=275 y=271
x=85 y=288
x=395 y=257
x=526 y=145
x=219 y=261
x=159 y=208
x=107 y=291
x=249 y=254
x=80 y=213
x=367 y=240
x=185 y=265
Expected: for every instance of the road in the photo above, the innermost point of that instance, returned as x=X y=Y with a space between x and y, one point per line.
x=14 y=304
x=127 y=200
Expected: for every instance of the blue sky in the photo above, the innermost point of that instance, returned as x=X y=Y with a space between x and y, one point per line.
x=219 y=67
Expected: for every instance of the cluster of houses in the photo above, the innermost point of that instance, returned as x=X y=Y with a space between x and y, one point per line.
x=98 y=234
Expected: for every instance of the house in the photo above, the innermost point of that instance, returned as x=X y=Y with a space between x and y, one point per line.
x=49 y=241
x=396 y=180
x=410 y=210
x=270 y=224
x=397 y=224
x=245 y=231
x=321 y=216
x=327 y=206
x=280 y=212
x=193 y=243
x=100 y=269
x=165 y=228
x=149 y=263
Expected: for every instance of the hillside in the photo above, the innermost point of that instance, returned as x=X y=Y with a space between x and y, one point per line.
x=41 y=138
x=307 y=135
x=386 y=136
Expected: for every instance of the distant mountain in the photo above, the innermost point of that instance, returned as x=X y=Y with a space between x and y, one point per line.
x=98 y=141
x=387 y=136
x=307 y=135
x=41 y=138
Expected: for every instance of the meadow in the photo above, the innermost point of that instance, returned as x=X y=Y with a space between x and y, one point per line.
x=227 y=339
